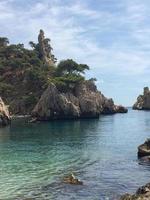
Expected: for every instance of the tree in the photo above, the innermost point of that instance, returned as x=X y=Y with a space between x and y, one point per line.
x=70 y=67
x=33 y=45
x=92 y=79
x=4 y=41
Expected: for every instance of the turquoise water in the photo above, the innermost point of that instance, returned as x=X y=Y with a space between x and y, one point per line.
x=102 y=152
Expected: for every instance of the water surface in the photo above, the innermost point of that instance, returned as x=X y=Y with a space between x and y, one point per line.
x=102 y=152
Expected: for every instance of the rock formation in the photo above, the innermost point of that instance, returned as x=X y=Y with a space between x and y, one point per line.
x=143 y=193
x=84 y=102
x=4 y=114
x=71 y=179
x=143 y=101
x=45 y=49
x=144 y=149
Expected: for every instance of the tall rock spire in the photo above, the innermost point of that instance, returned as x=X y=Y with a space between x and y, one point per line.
x=45 y=49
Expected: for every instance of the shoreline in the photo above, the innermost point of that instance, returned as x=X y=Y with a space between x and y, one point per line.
x=19 y=116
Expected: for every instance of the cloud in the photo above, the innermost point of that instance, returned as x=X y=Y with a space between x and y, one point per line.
x=112 y=37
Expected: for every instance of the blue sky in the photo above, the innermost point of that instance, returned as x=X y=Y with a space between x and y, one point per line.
x=111 y=36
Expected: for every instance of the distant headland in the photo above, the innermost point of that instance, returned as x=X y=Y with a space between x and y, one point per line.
x=143 y=101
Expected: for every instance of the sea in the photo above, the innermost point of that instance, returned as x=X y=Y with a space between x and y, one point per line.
x=35 y=157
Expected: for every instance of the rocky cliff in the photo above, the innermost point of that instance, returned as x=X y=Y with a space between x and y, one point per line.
x=84 y=102
x=143 y=101
x=4 y=114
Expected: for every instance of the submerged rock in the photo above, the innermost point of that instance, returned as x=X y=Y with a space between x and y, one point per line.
x=143 y=193
x=144 y=149
x=84 y=102
x=71 y=179
x=4 y=114
x=143 y=101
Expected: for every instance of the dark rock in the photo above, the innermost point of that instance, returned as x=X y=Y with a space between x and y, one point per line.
x=144 y=149
x=72 y=180
x=143 y=101
x=143 y=193
x=121 y=109
x=4 y=114
x=84 y=102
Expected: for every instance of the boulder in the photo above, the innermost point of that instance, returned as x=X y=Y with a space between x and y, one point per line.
x=144 y=149
x=143 y=193
x=121 y=109
x=85 y=101
x=143 y=101
x=4 y=114
x=71 y=179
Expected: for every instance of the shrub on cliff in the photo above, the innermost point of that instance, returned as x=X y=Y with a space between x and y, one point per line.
x=29 y=71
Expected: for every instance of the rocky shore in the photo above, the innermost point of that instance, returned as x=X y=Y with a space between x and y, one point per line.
x=143 y=193
x=143 y=101
x=4 y=114
x=84 y=102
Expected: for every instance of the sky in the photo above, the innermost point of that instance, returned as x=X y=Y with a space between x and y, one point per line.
x=111 y=36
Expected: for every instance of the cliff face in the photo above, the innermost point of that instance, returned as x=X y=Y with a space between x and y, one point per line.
x=84 y=102
x=4 y=114
x=143 y=101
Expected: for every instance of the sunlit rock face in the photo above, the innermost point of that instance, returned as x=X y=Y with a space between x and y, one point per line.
x=4 y=114
x=143 y=101
x=45 y=49
x=84 y=102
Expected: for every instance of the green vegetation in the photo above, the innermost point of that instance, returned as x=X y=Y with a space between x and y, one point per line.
x=24 y=75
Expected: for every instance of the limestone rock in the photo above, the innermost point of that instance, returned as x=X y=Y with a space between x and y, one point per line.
x=143 y=193
x=85 y=102
x=45 y=49
x=4 y=114
x=143 y=101
x=54 y=105
x=144 y=149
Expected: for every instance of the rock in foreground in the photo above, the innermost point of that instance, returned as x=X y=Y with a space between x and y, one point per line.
x=143 y=101
x=143 y=193
x=85 y=101
x=144 y=149
x=4 y=114
x=71 y=179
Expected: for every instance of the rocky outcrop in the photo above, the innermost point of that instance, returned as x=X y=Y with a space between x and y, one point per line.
x=144 y=149
x=71 y=179
x=143 y=101
x=84 y=102
x=143 y=193
x=4 y=114
x=45 y=49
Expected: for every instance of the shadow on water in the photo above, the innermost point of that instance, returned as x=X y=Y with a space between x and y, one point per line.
x=53 y=129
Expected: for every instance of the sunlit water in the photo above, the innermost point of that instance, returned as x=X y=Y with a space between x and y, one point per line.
x=34 y=158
